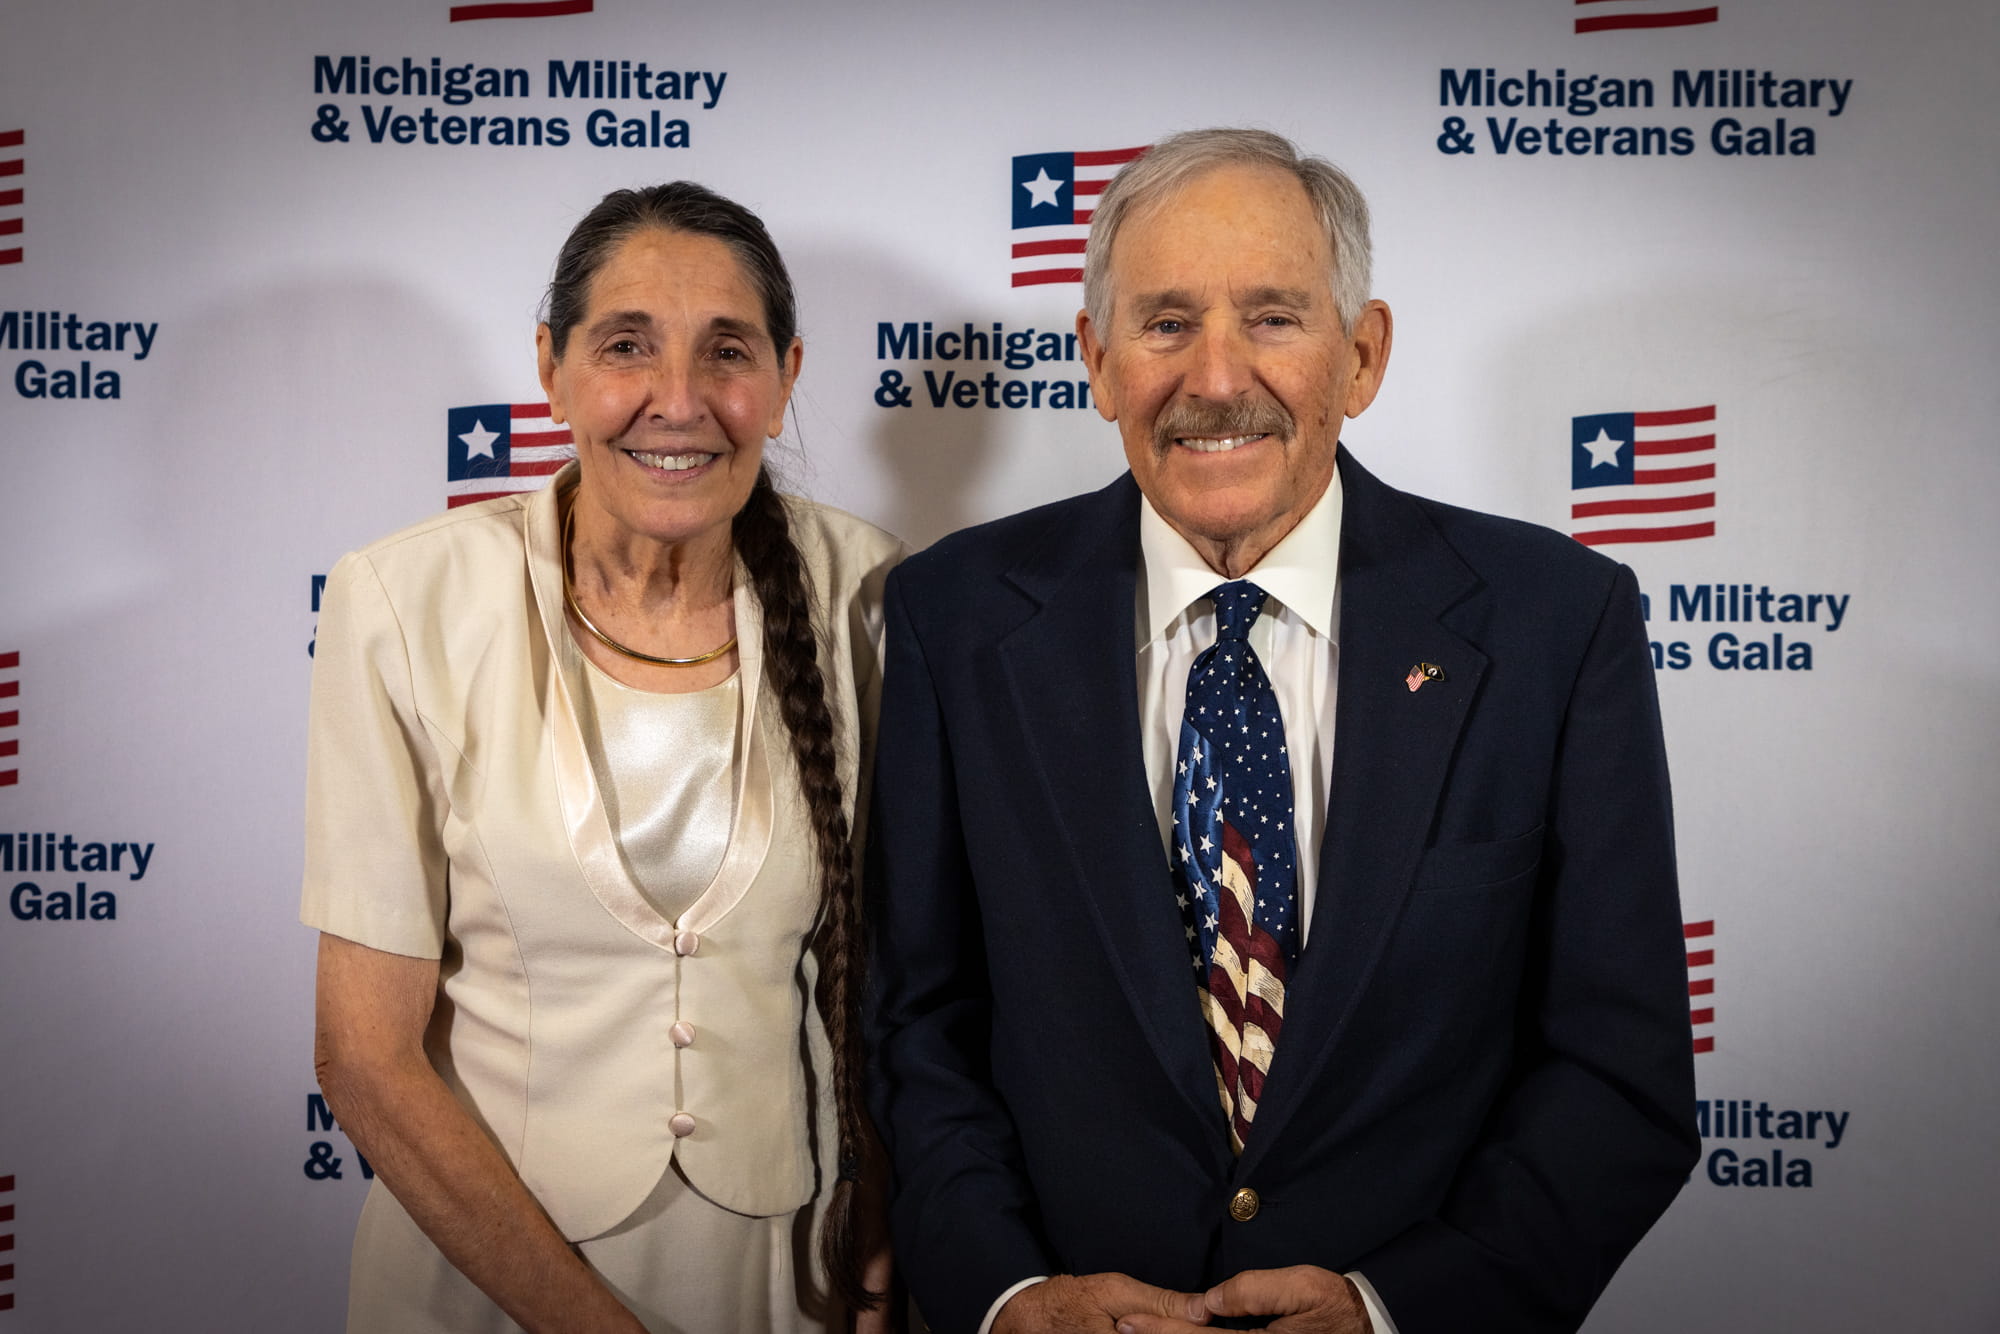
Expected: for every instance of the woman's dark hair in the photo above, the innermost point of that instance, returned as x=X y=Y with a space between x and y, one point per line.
x=763 y=538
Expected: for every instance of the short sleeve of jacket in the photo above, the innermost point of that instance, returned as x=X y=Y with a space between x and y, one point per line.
x=375 y=868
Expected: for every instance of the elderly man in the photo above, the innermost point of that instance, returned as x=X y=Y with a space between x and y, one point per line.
x=1273 y=871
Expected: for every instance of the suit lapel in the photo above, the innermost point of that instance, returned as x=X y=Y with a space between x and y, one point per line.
x=1392 y=749
x=1073 y=673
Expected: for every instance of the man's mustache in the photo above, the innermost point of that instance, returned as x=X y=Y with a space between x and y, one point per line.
x=1254 y=416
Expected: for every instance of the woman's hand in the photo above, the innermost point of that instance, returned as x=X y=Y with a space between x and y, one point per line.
x=371 y=1011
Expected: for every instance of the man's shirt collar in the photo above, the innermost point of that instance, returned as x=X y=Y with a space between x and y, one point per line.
x=1302 y=571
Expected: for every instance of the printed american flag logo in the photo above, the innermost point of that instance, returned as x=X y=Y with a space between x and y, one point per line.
x=496 y=449
x=1642 y=476
x=1054 y=196
x=10 y=719
x=1700 y=937
x=7 y=1242
x=13 y=162
x=1624 y=14
x=519 y=9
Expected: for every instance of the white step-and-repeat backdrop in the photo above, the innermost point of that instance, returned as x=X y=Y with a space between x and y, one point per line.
x=268 y=281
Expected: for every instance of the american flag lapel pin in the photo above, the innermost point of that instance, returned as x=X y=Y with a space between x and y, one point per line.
x=1422 y=672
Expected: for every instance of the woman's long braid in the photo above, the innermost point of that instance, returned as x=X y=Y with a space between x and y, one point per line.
x=763 y=538
x=791 y=661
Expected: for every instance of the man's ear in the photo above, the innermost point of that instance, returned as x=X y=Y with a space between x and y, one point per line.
x=1374 y=332
x=1093 y=361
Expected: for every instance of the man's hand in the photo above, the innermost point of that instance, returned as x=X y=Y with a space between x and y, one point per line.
x=1305 y=1299
x=1096 y=1303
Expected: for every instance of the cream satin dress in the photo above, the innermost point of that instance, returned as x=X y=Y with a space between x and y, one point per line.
x=667 y=768
x=471 y=798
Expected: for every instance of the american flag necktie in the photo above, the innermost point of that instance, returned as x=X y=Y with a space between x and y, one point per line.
x=1234 y=855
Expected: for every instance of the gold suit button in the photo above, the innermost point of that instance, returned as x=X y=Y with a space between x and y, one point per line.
x=1243 y=1205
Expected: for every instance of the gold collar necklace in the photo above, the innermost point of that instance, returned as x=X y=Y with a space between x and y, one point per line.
x=569 y=599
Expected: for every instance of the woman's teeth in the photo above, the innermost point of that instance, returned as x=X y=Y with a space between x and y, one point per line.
x=671 y=462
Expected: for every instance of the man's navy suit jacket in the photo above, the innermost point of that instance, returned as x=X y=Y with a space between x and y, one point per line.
x=1483 y=1094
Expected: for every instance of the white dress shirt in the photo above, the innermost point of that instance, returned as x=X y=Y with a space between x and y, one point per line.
x=1296 y=637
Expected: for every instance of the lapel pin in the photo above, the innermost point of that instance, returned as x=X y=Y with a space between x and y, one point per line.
x=1422 y=672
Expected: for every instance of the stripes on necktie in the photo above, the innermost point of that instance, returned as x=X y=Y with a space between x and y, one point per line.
x=1235 y=853
x=1243 y=995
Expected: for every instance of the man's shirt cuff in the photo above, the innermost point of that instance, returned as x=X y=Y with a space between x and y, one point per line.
x=993 y=1311
x=1378 y=1314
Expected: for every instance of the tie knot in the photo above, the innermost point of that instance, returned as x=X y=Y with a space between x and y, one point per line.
x=1236 y=606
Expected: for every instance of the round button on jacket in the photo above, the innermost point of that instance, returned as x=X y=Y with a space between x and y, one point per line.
x=682 y=1034
x=686 y=943
x=1243 y=1205
x=681 y=1124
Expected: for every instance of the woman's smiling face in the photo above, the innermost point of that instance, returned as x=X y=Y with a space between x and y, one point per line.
x=670 y=385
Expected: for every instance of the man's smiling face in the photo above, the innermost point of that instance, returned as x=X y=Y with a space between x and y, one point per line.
x=1225 y=365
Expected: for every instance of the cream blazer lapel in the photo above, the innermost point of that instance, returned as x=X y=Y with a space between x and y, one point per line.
x=585 y=818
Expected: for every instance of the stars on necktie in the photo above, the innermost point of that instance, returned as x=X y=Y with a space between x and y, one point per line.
x=1233 y=776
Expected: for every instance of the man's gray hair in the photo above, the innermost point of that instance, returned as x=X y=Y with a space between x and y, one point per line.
x=1177 y=160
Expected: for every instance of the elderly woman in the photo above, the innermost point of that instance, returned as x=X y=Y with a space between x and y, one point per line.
x=581 y=803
